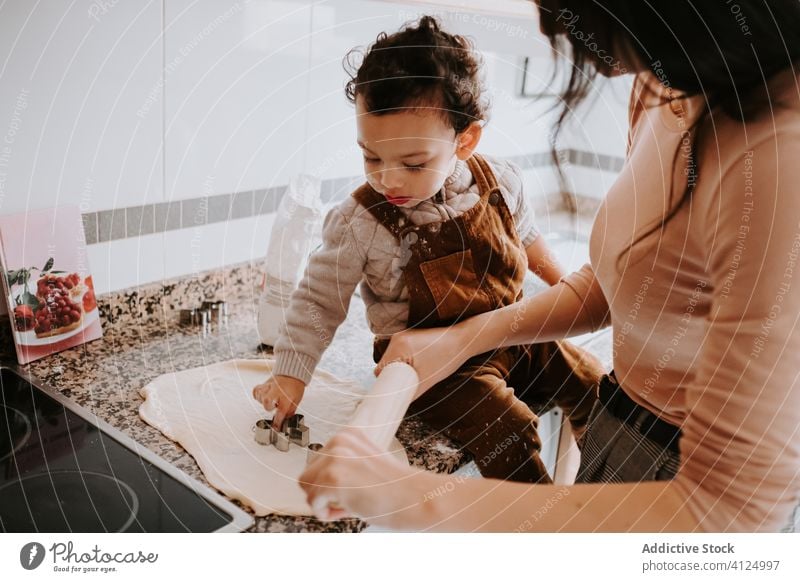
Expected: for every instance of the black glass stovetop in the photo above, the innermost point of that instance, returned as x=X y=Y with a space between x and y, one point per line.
x=60 y=472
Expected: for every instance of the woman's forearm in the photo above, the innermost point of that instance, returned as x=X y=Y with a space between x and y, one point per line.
x=375 y=486
x=542 y=262
x=450 y=503
x=552 y=314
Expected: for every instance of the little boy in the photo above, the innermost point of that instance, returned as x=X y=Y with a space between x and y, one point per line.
x=436 y=235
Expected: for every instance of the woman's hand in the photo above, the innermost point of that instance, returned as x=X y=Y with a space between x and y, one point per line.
x=434 y=353
x=352 y=477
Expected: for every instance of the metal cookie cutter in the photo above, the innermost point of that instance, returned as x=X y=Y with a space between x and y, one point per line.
x=293 y=430
x=294 y=427
x=194 y=316
x=281 y=441
x=218 y=311
x=264 y=433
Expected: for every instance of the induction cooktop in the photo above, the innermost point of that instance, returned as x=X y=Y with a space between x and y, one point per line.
x=64 y=470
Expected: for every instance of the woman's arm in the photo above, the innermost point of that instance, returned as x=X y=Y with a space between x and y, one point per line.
x=383 y=491
x=542 y=262
x=574 y=306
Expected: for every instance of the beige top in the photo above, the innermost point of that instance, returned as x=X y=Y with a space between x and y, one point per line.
x=705 y=313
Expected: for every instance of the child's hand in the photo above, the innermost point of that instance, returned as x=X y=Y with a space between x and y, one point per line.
x=281 y=394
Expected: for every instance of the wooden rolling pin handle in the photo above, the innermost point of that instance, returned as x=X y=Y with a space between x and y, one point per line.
x=382 y=410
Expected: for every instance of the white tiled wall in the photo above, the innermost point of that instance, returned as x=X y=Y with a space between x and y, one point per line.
x=71 y=81
x=194 y=250
x=337 y=28
x=126 y=263
x=589 y=182
x=236 y=85
x=517 y=126
x=115 y=104
x=601 y=123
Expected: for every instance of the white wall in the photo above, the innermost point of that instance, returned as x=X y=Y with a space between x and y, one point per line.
x=111 y=104
x=71 y=81
x=600 y=123
x=236 y=88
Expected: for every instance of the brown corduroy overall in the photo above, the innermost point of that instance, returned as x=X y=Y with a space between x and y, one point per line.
x=472 y=264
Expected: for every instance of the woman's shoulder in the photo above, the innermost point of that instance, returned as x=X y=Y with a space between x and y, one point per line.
x=768 y=133
x=749 y=175
x=647 y=92
x=779 y=100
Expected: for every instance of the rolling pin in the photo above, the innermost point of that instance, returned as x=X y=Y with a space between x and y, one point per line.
x=379 y=414
x=382 y=410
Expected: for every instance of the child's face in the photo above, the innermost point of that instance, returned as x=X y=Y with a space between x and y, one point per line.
x=407 y=155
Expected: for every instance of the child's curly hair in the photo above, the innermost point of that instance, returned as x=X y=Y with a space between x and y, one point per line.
x=421 y=66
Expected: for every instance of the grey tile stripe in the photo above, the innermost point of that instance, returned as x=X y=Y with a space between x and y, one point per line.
x=594 y=160
x=90 y=227
x=134 y=221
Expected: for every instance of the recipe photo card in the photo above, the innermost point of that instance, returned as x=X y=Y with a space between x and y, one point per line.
x=47 y=284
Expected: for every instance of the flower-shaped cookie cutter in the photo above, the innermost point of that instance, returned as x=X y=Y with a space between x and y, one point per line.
x=293 y=430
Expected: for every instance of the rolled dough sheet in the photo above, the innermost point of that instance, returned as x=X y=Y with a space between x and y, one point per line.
x=211 y=412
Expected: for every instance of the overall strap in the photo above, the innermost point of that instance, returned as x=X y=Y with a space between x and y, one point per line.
x=483 y=174
x=393 y=220
x=388 y=215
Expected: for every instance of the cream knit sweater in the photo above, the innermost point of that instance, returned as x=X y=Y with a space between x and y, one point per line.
x=357 y=250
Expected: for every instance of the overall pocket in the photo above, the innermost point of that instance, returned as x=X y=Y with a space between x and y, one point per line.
x=455 y=286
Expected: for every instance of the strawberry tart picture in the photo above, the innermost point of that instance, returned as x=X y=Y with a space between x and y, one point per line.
x=60 y=307
x=48 y=290
x=57 y=308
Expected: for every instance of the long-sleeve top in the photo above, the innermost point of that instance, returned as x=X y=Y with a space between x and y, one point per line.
x=705 y=311
x=357 y=251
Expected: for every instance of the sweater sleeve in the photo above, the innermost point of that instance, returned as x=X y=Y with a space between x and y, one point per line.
x=594 y=306
x=740 y=450
x=513 y=188
x=320 y=303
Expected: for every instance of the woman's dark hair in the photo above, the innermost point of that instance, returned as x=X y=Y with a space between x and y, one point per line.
x=723 y=50
x=419 y=66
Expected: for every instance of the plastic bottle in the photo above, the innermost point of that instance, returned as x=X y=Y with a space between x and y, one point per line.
x=295 y=228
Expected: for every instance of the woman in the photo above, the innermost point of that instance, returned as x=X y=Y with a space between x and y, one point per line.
x=693 y=259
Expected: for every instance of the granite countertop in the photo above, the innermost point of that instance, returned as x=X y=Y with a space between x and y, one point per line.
x=143 y=339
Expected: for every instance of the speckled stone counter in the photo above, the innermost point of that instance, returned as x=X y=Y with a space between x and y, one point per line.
x=143 y=339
